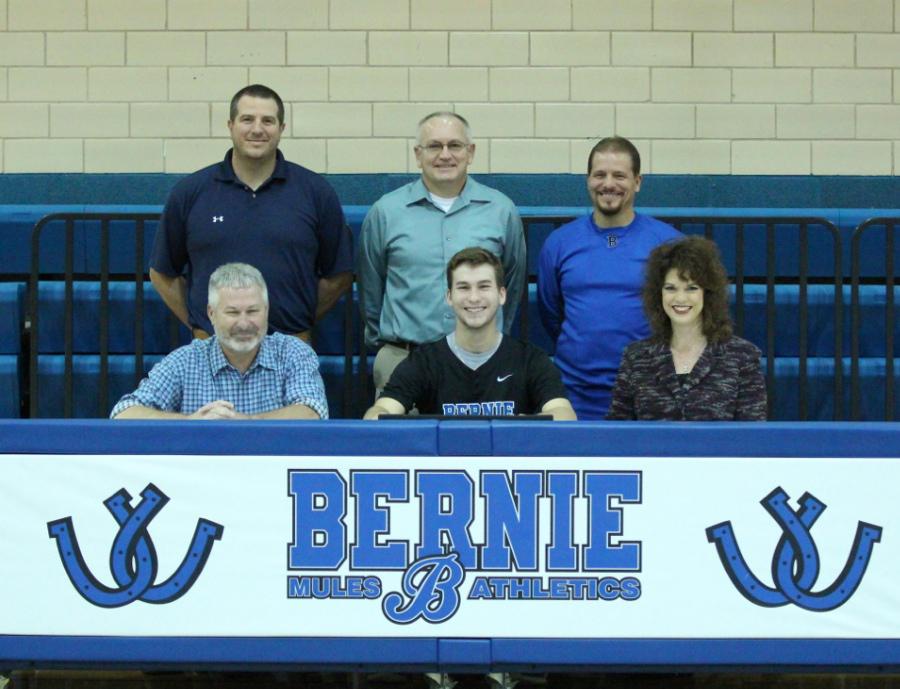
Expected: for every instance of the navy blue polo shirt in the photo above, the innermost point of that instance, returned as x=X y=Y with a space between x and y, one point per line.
x=292 y=229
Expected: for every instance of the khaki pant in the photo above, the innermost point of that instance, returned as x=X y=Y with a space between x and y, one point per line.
x=387 y=359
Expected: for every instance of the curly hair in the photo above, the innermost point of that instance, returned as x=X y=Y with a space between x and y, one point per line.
x=696 y=259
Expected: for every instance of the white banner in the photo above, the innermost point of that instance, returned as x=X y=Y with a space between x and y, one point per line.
x=449 y=547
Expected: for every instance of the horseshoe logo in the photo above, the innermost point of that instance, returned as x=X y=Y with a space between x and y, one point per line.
x=132 y=559
x=795 y=562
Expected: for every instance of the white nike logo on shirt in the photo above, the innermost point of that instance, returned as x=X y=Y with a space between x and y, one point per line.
x=500 y=380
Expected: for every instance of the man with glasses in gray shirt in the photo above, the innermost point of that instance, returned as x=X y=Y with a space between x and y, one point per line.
x=411 y=233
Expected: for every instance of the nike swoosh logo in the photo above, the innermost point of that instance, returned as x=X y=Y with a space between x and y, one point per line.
x=500 y=380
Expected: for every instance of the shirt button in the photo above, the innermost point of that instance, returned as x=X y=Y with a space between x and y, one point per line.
x=448 y=315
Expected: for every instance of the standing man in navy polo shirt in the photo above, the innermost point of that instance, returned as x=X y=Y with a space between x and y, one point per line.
x=254 y=207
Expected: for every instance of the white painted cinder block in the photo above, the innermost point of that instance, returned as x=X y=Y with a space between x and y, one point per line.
x=610 y=84
x=22 y=48
x=24 y=120
x=696 y=85
x=612 y=15
x=586 y=48
x=366 y=155
x=566 y=120
x=851 y=158
x=736 y=121
x=368 y=83
x=43 y=155
x=246 y=48
x=287 y=14
x=712 y=157
x=858 y=15
x=498 y=48
x=88 y=48
x=531 y=15
x=89 y=120
x=448 y=83
x=529 y=83
x=666 y=49
x=816 y=121
x=207 y=15
x=123 y=155
x=459 y=15
x=165 y=48
x=770 y=158
x=773 y=15
x=140 y=15
x=47 y=84
x=692 y=15
x=369 y=15
x=408 y=48
x=529 y=155
x=323 y=120
x=852 y=85
x=46 y=15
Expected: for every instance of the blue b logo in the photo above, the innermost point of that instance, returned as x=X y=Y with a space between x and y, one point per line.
x=431 y=585
x=132 y=559
x=795 y=563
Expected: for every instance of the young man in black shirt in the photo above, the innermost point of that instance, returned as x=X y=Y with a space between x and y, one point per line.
x=475 y=370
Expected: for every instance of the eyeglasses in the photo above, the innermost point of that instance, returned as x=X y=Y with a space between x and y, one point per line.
x=435 y=148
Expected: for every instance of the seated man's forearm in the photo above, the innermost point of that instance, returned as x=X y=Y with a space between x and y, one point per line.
x=292 y=411
x=139 y=411
x=384 y=405
x=560 y=408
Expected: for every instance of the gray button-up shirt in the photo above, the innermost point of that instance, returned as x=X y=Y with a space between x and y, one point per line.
x=404 y=247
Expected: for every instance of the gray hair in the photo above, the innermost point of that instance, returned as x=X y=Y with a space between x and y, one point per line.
x=446 y=114
x=235 y=276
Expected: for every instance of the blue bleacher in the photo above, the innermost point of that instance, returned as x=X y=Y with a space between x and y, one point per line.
x=16 y=223
x=86 y=383
x=12 y=310
x=9 y=386
x=86 y=319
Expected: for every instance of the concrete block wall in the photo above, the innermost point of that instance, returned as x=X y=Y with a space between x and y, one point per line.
x=704 y=86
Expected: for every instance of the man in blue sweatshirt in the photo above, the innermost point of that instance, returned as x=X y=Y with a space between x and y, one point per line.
x=590 y=275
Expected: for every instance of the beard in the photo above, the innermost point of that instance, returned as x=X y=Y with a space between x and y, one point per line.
x=238 y=340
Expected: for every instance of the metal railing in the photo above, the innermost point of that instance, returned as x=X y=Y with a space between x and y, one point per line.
x=71 y=274
x=779 y=238
x=890 y=226
x=737 y=227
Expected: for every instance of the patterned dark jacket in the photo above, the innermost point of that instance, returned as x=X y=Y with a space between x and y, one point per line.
x=726 y=384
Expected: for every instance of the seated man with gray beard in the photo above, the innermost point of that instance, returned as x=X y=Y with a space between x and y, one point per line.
x=240 y=373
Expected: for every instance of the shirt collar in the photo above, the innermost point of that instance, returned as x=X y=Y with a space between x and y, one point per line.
x=472 y=191
x=265 y=357
x=225 y=172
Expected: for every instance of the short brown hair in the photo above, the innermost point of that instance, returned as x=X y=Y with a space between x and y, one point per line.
x=475 y=256
x=256 y=91
x=616 y=144
x=696 y=259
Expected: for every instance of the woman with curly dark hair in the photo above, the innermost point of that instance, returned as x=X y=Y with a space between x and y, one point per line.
x=692 y=368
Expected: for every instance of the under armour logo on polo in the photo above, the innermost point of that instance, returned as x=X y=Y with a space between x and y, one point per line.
x=611 y=241
x=218 y=218
x=500 y=379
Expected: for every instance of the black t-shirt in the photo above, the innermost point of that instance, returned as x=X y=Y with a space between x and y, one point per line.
x=518 y=379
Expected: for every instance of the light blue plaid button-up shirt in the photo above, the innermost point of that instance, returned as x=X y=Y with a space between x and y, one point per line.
x=285 y=372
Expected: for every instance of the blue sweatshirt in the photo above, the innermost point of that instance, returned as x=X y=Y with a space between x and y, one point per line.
x=589 y=296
